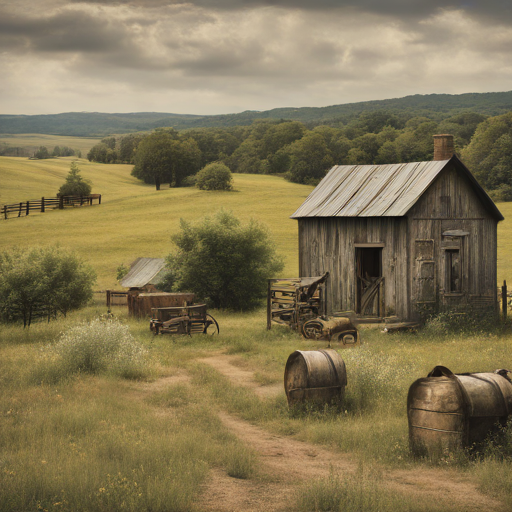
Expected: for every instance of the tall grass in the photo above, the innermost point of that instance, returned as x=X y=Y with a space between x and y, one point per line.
x=98 y=346
x=363 y=491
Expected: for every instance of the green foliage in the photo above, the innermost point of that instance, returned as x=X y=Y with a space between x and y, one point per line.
x=96 y=347
x=489 y=154
x=162 y=158
x=42 y=283
x=310 y=159
x=42 y=153
x=127 y=146
x=223 y=261
x=215 y=176
x=63 y=151
x=75 y=185
x=121 y=271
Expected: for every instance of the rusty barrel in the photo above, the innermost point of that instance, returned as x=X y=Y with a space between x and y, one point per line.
x=315 y=376
x=450 y=412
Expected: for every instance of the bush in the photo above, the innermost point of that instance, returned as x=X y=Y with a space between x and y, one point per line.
x=42 y=283
x=75 y=185
x=98 y=347
x=214 y=176
x=223 y=262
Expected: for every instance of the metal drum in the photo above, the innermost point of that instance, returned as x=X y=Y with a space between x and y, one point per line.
x=315 y=376
x=450 y=412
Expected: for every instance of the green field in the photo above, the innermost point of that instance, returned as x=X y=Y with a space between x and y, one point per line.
x=134 y=220
x=191 y=436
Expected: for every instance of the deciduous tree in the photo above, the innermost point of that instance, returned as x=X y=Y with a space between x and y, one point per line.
x=223 y=262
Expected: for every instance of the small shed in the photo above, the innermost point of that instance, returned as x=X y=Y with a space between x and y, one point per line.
x=144 y=274
x=402 y=240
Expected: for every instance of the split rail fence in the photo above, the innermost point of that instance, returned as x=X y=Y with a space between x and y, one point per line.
x=41 y=205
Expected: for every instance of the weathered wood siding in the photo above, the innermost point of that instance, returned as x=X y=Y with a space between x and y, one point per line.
x=451 y=204
x=328 y=244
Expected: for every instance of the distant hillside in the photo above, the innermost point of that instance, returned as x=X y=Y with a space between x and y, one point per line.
x=86 y=124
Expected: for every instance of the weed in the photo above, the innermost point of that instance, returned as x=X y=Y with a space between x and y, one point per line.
x=95 y=347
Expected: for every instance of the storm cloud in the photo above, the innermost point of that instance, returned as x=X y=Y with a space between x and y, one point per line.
x=207 y=57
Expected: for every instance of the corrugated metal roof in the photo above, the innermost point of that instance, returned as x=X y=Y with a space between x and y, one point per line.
x=370 y=190
x=143 y=271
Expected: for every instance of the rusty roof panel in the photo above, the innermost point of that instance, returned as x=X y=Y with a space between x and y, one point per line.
x=370 y=190
x=143 y=271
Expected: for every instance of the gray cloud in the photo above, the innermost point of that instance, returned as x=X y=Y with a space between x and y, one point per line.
x=208 y=57
x=403 y=9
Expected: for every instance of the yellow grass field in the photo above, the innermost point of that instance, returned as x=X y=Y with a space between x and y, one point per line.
x=84 y=144
x=134 y=219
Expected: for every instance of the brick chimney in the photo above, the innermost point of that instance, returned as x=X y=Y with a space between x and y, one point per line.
x=443 y=147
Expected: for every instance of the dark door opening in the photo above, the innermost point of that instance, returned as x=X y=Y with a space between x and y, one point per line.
x=369 y=282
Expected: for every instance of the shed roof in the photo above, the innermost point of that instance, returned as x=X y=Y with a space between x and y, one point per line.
x=143 y=271
x=389 y=190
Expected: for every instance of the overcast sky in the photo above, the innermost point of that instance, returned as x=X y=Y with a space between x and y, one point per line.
x=223 y=56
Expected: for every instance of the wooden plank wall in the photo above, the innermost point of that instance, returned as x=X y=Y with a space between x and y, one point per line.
x=328 y=244
x=450 y=203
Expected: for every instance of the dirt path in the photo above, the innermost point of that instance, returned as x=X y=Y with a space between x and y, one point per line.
x=224 y=364
x=286 y=462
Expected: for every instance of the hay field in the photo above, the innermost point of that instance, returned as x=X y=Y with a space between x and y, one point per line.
x=134 y=219
x=30 y=140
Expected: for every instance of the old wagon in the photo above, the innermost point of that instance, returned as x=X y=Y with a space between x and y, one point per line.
x=193 y=319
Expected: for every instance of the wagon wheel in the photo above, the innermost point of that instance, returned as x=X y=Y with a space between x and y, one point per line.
x=210 y=323
x=311 y=330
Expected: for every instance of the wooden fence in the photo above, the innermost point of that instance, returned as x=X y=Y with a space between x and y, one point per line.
x=41 y=205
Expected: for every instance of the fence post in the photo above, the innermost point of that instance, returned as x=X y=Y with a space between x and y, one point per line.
x=42 y=204
x=5 y=211
x=27 y=208
x=108 y=299
x=21 y=206
x=99 y=199
x=61 y=202
x=504 y=300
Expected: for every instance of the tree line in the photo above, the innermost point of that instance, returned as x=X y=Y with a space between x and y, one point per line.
x=303 y=153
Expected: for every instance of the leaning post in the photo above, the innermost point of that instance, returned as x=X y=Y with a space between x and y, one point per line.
x=504 y=300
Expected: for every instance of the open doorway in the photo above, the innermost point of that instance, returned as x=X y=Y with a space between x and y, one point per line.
x=369 y=282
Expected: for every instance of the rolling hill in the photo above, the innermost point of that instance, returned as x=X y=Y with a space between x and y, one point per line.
x=86 y=124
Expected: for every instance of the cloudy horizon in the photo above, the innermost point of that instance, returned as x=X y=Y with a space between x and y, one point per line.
x=227 y=56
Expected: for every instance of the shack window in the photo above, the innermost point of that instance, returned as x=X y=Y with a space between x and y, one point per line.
x=453 y=277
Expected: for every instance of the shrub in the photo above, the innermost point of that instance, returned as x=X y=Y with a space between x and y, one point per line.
x=99 y=347
x=214 y=176
x=223 y=262
x=42 y=283
x=75 y=185
x=42 y=153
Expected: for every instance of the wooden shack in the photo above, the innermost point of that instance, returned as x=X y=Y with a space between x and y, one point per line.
x=402 y=240
x=140 y=305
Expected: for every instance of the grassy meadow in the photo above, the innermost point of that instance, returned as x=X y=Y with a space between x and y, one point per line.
x=134 y=219
x=35 y=140
x=75 y=441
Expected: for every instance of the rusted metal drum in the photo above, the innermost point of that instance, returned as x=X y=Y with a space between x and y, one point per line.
x=447 y=412
x=315 y=376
